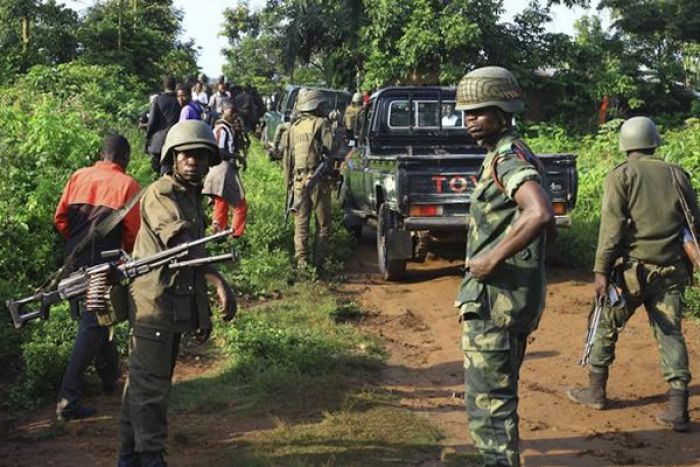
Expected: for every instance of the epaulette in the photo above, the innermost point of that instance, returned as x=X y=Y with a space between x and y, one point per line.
x=522 y=152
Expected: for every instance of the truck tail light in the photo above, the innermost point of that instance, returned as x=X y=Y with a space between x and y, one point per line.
x=559 y=208
x=425 y=210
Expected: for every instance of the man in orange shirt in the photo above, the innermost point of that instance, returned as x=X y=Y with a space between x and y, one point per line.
x=91 y=194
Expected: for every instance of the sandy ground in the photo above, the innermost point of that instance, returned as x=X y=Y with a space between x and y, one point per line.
x=417 y=321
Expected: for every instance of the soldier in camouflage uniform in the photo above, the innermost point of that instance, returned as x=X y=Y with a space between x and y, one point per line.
x=307 y=142
x=167 y=303
x=351 y=113
x=502 y=295
x=640 y=238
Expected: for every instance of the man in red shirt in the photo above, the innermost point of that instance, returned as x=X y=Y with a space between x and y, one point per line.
x=90 y=195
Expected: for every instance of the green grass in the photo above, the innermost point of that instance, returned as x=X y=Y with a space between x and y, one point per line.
x=289 y=353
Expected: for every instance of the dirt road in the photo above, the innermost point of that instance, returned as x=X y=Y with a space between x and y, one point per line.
x=425 y=368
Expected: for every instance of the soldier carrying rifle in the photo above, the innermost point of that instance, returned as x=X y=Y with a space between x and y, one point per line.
x=307 y=142
x=647 y=204
x=167 y=302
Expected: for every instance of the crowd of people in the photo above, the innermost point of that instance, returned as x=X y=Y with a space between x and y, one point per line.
x=198 y=141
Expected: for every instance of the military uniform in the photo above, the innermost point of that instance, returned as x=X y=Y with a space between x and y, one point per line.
x=499 y=313
x=643 y=232
x=166 y=303
x=350 y=119
x=640 y=247
x=307 y=141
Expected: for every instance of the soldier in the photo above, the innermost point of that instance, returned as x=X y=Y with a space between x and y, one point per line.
x=350 y=118
x=308 y=141
x=167 y=303
x=502 y=295
x=641 y=232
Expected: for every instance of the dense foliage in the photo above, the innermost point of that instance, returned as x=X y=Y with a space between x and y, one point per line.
x=140 y=37
x=645 y=63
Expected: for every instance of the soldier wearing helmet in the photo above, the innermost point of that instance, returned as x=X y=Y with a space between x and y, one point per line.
x=166 y=303
x=351 y=113
x=307 y=143
x=501 y=297
x=641 y=221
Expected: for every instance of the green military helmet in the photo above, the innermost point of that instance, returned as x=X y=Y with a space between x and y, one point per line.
x=639 y=133
x=188 y=135
x=310 y=100
x=491 y=86
x=357 y=98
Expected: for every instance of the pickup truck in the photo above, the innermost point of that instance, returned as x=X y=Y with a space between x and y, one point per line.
x=412 y=171
x=336 y=99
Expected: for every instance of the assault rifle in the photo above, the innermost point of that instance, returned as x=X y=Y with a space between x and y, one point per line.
x=289 y=203
x=323 y=169
x=613 y=298
x=94 y=282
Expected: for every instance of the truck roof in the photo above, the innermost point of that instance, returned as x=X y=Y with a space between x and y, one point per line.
x=416 y=91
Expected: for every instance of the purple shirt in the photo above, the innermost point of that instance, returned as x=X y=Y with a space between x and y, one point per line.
x=191 y=111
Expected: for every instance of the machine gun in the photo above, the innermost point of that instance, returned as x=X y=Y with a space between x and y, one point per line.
x=94 y=282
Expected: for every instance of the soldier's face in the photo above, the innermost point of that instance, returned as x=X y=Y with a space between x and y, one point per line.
x=482 y=123
x=192 y=165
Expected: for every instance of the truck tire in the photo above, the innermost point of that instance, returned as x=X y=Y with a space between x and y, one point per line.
x=392 y=269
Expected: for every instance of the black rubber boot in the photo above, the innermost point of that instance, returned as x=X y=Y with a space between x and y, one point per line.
x=676 y=416
x=153 y=459
x=592 y=396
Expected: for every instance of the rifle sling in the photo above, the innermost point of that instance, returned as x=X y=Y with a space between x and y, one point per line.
x=97 y=232
x=684 y=206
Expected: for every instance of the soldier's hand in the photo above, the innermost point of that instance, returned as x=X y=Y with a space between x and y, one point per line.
x=601 y=285
x=482 y=266
x=227 y=301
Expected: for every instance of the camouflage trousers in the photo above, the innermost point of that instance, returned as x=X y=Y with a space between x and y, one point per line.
x=492 y=359
x=660 y=289
x=318 y=203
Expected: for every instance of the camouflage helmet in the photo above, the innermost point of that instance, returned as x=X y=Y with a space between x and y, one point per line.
x=188 y=135
x=310 y=100
x=491 y=86
x=357 y=98
x=639 y=133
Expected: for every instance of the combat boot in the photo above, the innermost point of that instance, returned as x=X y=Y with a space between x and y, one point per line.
x=127 y=457
x=592 y=396
x=153 y=459
x=676 y=416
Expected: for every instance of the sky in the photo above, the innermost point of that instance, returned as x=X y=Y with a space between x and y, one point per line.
x=202 y=22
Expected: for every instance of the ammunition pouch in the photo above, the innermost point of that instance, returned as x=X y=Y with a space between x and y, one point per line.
x=637 y=278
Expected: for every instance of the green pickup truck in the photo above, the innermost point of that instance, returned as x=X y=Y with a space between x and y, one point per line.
x=336 y=99
x=412 y=172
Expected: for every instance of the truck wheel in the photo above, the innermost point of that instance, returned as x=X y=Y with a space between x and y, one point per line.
x=391 y=269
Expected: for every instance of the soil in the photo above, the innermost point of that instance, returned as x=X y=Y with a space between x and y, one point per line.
x=418 y=322
x=416 y=319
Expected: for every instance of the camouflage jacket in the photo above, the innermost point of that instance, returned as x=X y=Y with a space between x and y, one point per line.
x=165 y=299
x=513 y=296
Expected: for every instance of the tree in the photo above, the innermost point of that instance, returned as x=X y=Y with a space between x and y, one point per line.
x=141 y=37
x=34 y=32
x=254 y=54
